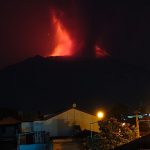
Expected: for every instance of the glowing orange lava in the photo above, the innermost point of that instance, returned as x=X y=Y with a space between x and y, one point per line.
x=100 y=52
x=62 y=40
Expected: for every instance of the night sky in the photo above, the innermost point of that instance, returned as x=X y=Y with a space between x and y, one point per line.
x=121 y=29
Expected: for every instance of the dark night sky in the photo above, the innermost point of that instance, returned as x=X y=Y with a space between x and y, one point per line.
x=121 y=29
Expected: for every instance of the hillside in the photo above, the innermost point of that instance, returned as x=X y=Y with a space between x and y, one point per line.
x=49 y=84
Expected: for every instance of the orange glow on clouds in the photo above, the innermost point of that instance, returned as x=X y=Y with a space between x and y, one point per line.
x=62 y=40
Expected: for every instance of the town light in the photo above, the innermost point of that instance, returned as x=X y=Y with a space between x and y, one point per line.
x=123 y=124
x=100 y=114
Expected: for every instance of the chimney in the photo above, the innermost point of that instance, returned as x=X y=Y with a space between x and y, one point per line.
x=74 y=105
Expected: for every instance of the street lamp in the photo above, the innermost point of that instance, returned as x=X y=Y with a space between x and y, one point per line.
x=99 y=115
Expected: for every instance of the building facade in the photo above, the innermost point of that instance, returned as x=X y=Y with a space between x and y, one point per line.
x=62 y=124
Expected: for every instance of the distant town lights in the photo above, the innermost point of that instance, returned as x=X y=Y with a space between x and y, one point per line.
x=123 y=124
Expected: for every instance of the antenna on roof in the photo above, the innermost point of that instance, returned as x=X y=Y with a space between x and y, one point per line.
x=74 y=105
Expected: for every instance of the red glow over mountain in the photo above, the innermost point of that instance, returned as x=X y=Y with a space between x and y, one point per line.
x=68 y=41
x=63 y=44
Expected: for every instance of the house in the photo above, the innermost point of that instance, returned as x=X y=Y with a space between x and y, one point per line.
x=9 y=127
x=63 y=123
x=66 y=129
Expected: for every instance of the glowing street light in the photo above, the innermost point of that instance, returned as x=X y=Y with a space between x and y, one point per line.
x=99 y=115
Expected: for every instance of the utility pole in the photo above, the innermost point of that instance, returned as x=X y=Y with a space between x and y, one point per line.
x=137 y=125
x=91 y=123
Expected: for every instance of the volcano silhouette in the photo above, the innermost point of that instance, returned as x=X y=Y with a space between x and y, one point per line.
x=52 y=83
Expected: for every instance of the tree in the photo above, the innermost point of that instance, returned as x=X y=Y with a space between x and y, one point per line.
x=112 y=134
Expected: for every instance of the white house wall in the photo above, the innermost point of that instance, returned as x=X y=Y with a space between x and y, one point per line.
x=60 y=125
x=38 y=126
x=27 y=126
x=84 y=119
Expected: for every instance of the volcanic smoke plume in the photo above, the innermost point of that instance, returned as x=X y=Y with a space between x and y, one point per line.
x=70 y=33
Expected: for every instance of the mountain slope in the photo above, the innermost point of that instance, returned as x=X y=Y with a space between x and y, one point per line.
x=52 y=83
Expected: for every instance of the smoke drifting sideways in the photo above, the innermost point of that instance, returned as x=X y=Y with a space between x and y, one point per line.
x=71 y=31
